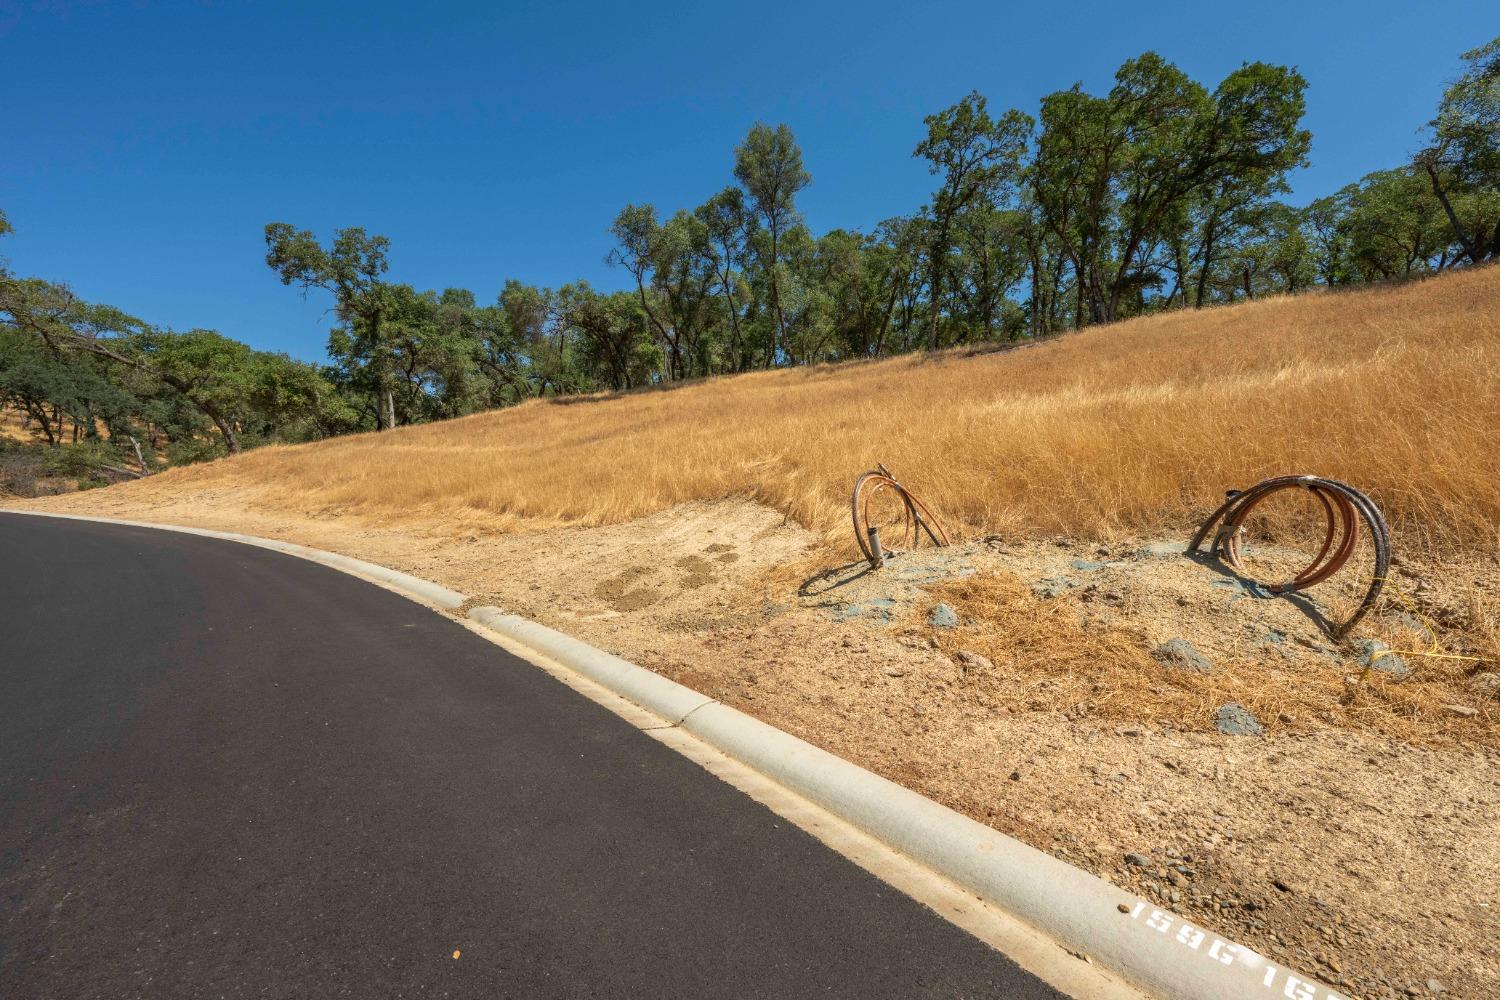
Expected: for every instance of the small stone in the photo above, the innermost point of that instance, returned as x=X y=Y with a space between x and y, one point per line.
x=943 y=616
x=1378 y=656
x=1280 y=884
x=1235 y=719
x=970 y=660
x=1137 y=860
x=1487 y=682
x=1015 y=776
x=895 y=671
x=1122 y=907
x=1463 y=711
x=1435 y=987
x=1050 y=586
x=1183 y=655
x=1162 y=550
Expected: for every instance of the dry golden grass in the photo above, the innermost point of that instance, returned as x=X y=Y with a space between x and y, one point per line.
x=1047 y=659
x=1116 y=429
x=11 y=427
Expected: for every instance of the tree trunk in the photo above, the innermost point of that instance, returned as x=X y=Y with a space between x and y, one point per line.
x=786 y=347
x=40 y=414
x=231 y=439
x=140 y=458
x=1036 y=295
x=640 y=288
x=937 y=257
x=734 y=316
x=388 y=408
x=1458 y=230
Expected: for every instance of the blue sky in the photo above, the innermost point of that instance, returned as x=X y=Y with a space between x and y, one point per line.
x=144 y=145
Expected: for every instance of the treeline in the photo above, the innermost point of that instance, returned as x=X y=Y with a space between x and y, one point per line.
x=1162 y=193
x=91 y=375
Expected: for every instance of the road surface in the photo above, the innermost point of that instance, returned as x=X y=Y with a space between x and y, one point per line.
x=226 y=772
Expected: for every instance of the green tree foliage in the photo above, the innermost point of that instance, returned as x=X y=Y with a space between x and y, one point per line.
x=83 y=373
x=1161 y=193
x=1463 y=162
x=350 y=268
x=1118 y=178
x=979 y=160
x=768 y=164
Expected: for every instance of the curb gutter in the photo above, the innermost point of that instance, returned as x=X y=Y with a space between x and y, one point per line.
x=1154 y=949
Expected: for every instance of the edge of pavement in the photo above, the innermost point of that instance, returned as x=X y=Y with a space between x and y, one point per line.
x=1152 y=949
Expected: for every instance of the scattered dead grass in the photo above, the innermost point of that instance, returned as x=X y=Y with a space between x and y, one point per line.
x=1049 y=657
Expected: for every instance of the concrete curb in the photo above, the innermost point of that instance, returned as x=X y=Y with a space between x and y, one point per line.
x=1153 y=949
x=651 y=691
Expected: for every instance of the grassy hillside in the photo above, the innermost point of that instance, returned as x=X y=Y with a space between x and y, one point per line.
x=1122 y=428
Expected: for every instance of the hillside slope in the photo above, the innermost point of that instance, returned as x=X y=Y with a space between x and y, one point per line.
x=702 y=532
x=1127 y=427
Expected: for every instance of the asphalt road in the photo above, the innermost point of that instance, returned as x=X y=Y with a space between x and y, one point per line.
x=226 y=772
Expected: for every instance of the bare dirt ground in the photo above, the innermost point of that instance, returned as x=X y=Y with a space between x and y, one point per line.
x=1355 y=838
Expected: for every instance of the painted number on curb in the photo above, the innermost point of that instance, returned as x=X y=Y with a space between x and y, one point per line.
x=1280 y=982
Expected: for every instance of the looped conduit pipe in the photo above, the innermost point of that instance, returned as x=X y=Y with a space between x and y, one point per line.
x=916 y=517
x=1343 y=508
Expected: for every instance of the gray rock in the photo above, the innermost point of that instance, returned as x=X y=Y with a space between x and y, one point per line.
x=1487 y=682
x=1409 y=620
x=1138 y=860
x=1162 y=550
x=919 y=574
x=973 y=661
x=1087 y=565
x=1274 y=641
x=878 y=609
x=1051 y=586
x=1235 y=719
x=1464 y=711
x=1377 y=655
x=1435 y=987
x=1183 y=655
x=943 y=616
